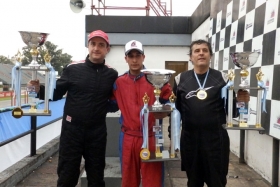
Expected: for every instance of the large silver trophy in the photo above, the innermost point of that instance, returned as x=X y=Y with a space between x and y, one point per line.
x=33 y=40
x=156 y=77
x=245 y=60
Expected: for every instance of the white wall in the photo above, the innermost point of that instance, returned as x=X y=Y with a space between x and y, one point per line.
x=258 y=151
x=258 y=148
x=202 y=31
x=155 y=57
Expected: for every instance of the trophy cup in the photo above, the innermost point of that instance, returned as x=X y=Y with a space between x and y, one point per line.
x=156 y=77
x=243 y=60
x=33 y=40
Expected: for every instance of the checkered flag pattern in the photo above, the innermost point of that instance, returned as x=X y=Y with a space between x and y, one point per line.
x=251 y=25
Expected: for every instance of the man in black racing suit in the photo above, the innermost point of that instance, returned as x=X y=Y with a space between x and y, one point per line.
x=204 y=142
x=88 y=87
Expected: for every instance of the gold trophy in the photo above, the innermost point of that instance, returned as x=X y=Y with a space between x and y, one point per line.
x=260 y=102
x=145 y=153
x=175 y=127
x=16 y=86
x=231 y=76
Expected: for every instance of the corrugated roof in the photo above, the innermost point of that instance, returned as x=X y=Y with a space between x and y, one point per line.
x=6 y=75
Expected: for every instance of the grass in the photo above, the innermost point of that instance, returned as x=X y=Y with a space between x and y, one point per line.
x=5 y=98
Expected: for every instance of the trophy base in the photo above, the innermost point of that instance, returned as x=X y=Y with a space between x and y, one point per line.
x=18 y=112
x=244 y=86
x=158 y=155
x=165 y=157
x=33 y=65
x=229 y=125
x=235 y=126
x=162 y=108
x=158 y=151
x=243 y=124
x=36 y=112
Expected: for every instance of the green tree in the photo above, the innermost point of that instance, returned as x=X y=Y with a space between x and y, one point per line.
x=5 y=60
x=58 y=61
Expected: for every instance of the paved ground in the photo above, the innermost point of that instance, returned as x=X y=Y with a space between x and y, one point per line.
x=45 y=175
x=240 y=175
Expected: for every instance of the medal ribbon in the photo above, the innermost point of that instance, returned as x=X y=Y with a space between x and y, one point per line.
x=261 y=84
x=224 y=90
x=16 y=76
x=201 y=87
x=144 y=115
x=52 y=80
x=176 y=125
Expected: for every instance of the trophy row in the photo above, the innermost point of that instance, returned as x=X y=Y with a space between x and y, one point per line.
x=33 y=40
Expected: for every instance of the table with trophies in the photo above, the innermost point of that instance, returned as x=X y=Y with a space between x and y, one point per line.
x=159 y=77
x=245 y=60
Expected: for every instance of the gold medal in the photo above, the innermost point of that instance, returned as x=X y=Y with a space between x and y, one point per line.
x=17 y=112
x=201 y=94
x=145 y=154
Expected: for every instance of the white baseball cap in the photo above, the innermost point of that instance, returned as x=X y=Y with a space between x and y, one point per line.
x=133 y=44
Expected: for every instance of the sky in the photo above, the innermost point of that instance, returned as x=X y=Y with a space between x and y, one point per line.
x=66 y=29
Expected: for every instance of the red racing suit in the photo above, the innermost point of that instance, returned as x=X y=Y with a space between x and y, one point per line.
x=129 y=92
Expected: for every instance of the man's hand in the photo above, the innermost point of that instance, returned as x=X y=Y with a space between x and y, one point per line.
x=35 y=84
x=160 y=115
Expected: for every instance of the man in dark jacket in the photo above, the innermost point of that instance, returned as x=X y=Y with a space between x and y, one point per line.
x=88 y=86
x=204 y=142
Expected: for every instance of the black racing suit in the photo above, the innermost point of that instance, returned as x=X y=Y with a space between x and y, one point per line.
x=88 y=87
x=204 y=142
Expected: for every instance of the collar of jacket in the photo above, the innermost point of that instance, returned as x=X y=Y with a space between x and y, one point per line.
x=135 y=77
x=94 y=65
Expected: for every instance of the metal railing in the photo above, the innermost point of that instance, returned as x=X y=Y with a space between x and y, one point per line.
x=32 y=131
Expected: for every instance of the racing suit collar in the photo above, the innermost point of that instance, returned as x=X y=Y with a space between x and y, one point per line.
x=135 y=77
x=94 y=65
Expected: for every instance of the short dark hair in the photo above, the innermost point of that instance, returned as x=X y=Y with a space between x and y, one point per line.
x=201 y=42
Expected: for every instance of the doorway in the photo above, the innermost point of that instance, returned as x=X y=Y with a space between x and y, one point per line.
x=178 y=66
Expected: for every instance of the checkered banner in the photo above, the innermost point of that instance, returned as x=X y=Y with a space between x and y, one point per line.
x=251 y=25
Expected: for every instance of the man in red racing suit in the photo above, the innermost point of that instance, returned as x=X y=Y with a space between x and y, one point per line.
x=129 y=90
